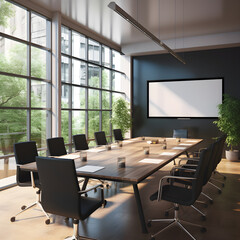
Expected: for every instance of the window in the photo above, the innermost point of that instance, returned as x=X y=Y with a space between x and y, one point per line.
x=25 y=78
x=92 y=86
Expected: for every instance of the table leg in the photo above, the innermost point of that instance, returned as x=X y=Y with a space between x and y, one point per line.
x=140 y=210
x=85 y=183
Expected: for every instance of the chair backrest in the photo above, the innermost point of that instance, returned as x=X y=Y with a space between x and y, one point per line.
x=200 y=173
x=180 y=133
x=117 y=134
x=25 y=152
x=56 y=146
x=59 y=186
x=80 y=142
x=100 y=138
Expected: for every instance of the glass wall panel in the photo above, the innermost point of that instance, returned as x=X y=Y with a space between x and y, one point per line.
x=38 y=63
x=106 y=56
x=79 y=69
x=93 y=123
x=105 y=78
x=78 y=122
x=15 y=22
x=65 y=124
x=117 y=81
x=65 y=67
x=79 y=45
x=38 y=94
x=78 y=97
x=65 y=40
x=93 y=51
x=106 y=122
x=13 y=56
x=13 y=91
x=38 y=127
x=93 y=76
x=13 y=128
x=66 y=91
x=116 y=60
x=93 y=99
x=39 y=30
x=105 y=100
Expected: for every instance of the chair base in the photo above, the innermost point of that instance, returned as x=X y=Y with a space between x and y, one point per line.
x=25 y=208
x=173 y=221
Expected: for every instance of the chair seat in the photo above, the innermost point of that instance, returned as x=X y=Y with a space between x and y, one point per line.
x=88 y=206
x=175 y=194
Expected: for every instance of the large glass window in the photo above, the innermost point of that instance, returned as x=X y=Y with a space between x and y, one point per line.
x=25 y=78
x=91 y=81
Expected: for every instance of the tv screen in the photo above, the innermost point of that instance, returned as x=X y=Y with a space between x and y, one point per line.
x=185 y=98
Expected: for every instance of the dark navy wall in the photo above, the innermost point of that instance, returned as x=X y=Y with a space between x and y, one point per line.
x=199 y=64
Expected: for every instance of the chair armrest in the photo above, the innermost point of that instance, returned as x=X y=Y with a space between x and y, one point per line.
x=186 y=159
x=90 y=189
x=169 y=177
x=185 y=169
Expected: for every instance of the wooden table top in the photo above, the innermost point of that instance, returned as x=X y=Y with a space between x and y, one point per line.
x=132 y=149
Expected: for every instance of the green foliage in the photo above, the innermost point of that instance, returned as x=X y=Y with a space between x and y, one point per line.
x=228 y=120
x=6 y=11
x=121 y=117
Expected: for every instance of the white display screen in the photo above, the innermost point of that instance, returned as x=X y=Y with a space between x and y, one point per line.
x=197 y=98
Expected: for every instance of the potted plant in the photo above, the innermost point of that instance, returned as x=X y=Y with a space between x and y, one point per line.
x=121 y=116
x=229 y=123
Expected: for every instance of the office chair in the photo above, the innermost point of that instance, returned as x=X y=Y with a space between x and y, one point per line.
x=61 y=194
x=26 y=152
x=80 y=142
x=100 y=138
x=118 y=135
x=56 y=146
x=188 y=170
x=180 y=195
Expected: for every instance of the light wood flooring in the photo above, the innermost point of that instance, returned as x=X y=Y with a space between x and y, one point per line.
x=119 y=220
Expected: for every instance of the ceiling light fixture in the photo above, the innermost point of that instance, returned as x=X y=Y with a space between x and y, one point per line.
x=137 y=25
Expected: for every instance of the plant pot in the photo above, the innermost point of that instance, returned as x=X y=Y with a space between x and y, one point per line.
x=232 y=155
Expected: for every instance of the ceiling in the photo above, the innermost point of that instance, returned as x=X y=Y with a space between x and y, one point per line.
x=181 y=24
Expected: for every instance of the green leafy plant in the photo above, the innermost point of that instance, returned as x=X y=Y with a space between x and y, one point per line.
x=121 y=116
x=228 y=120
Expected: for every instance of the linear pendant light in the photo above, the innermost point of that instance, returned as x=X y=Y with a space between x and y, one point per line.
x=141 y=28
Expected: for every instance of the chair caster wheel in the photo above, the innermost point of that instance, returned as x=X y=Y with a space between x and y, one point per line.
x=23 y=207
x=12 y=219
x=149 y=224
x=104 y=203
x=203 y=218
x=203 y=229
x=108 y=186
x=224 y=177
x=223 y=185
x=152 y=238
x=47 y=221
x=86 y=194
x=219 y=191
x=166 y=214
x=211 y=201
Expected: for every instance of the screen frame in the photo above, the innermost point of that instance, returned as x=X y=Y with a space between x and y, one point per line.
x=186 y=80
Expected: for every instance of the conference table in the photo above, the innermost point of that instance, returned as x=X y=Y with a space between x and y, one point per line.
x=103 y=163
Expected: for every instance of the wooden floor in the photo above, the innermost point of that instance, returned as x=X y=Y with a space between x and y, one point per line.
x=119 y=220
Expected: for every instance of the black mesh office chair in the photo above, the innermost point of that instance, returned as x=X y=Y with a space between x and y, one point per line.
x=56 y=146
x=26 y=152
x=80 y=142
x=100 y=138
x=180 y=195
x=117 y=133
x=61 y=194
